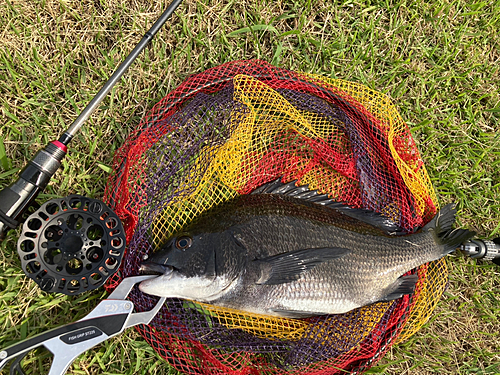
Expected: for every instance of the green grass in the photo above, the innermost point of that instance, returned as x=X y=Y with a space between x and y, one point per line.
x=437 y=60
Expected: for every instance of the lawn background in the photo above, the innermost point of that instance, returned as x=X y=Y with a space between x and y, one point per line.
x=437 y=60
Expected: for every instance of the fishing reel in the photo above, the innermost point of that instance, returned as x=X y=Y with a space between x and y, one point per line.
x=71 y=245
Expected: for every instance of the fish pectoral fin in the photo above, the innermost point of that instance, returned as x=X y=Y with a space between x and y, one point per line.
x=404 y=285
x=287 y=267
x=297 y=314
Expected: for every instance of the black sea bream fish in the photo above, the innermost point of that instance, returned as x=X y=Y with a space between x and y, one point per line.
x=287 y=251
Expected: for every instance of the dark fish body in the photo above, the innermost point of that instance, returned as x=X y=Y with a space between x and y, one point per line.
x=283 y=255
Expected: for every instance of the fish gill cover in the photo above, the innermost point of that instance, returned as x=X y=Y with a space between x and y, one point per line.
x=227 y=131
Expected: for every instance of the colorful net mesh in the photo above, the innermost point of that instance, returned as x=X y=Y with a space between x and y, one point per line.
x=225 y=132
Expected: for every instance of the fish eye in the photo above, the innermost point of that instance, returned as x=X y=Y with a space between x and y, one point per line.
x=183 y=242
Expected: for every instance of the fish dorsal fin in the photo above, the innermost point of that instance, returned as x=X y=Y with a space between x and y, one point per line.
x=287 y=267
x=302 y=192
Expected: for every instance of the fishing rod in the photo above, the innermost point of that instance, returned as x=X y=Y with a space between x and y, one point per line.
x=20 y=195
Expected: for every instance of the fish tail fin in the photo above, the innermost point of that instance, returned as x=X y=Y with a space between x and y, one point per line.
x=440 y=227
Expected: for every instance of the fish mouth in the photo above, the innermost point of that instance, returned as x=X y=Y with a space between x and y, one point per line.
x=150 y=268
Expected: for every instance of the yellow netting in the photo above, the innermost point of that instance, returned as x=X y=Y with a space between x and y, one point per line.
x=339 y=137
x=233 y=164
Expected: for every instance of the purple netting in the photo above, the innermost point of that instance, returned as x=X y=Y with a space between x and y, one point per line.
x=168 y=158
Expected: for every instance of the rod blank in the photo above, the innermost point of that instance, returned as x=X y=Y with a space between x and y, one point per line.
x=120 y=71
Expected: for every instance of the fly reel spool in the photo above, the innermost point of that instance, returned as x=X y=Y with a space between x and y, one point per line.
x=71 y=245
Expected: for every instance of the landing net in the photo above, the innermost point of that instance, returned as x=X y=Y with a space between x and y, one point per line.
x=227 y=131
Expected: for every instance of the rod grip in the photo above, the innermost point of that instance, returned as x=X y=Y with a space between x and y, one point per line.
x=17 y=197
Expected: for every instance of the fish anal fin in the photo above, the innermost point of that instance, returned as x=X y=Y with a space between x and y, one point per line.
x=403 y=286
x=287 y=267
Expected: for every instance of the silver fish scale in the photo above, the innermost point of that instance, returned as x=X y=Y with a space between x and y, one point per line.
x=335 y=286
x=236 y=249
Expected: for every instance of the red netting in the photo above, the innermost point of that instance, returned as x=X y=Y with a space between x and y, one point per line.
x=227 y=131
